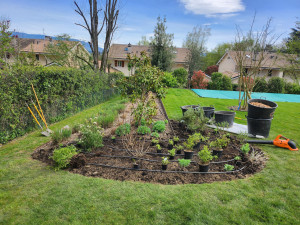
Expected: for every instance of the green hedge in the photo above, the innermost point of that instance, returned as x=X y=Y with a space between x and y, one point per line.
x=61 y=92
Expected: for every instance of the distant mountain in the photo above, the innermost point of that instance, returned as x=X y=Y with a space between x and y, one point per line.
x=41 y=36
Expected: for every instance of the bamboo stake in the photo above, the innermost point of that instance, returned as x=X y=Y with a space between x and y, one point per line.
x=39 y=105
x=34 y=117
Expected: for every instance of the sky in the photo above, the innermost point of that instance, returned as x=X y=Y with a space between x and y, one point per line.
x=138 y=18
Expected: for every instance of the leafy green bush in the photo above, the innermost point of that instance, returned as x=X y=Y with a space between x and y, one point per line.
x=91 y=137
x=184 y=162
x=123 y=129
x=195 y=119
x=228 y=167
x=155 y=134
x=245 y=148
x=62 y=156
x=276 y=85
x=169 y=80
x=181 y=75
x=291 y=88
x=143 y=130
x=159 y=126
x=226 y=83
x=260 y=85
x=205 y=155
x=61 y=92
x=220 y=82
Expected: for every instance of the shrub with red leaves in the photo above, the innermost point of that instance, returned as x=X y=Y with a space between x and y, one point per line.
x=211 y=69
x=198 y=80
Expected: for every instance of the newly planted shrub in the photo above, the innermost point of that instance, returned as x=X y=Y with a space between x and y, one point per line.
x=237 y=158
x=143 y=130
x=159 y=126
x=155 y=134
x=245 y=148
x=91 y=137
x=165 y=161
x=205 y=155
x=61 y=135
x=62 y=156
x=195 y=119
x=228 y=167
x=172 y=152
x=184 y=162
x=123 y=129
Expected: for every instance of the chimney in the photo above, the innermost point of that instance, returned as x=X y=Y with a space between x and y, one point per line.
x=129 y=48
x=48 y=38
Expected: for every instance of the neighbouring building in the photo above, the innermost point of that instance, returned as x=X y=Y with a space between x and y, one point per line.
x=271 y=66
x=38 y=49
x=117 y=56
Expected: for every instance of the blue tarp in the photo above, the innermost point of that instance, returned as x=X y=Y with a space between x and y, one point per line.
x=235 y=95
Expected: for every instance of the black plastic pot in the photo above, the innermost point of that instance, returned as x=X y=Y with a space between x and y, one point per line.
x=170 y=147
x=158 y=151
x=171 y=157
x=224 y=116
x=217 y=153
x=203 y=168
x=164 y=167
x=259 y=126
x=186 y=107
x=175 y=142
x=197 y=146
x=208 y=111
x=178 y=152
x=113 y=140
x=135 y=166
x=188 y=155
x=261 y=113
x=238 y=162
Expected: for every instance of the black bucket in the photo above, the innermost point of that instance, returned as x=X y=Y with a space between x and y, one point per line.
x=208 y=111
x=186 y=107
x=255 y=112
x=224 y=116
x=259 y=126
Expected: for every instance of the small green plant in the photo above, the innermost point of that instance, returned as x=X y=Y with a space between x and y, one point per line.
x=62 y=156
x=220 y=143
x=165 y=161
x=113 y=137
x=228 y=167
x=179 y=147
x=159 y=126
x=155 y=134
x=76 y=128
x=184 y=162
x=91 y=137
x=158 y=147
x=166 y=121
x=143 y=130
x=172 y=152
x=237 y=158
x=195 y=119
x=61 y=135
x=123 y=129
x=205 y=155
x=245 y=148
x=175 y=138
x=155 y=141
x=242 y=137
x=171 y=142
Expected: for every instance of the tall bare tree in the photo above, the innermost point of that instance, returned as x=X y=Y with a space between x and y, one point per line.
x=92 y=28
x=111 y=14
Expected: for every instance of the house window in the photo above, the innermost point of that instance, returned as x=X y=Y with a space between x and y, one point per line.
x=126 y=49
x=119 y=63
x=37 y=57
x=269 y=73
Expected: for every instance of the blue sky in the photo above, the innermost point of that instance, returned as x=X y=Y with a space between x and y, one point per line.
x=138 y=17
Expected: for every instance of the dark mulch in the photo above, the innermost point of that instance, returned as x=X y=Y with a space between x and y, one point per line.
x=85 y=163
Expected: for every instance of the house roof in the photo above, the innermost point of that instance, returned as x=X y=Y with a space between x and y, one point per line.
x=120 y=51
x=270 y=60
x=38 y=45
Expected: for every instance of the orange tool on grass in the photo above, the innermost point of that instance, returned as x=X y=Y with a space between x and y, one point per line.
x=279 y=141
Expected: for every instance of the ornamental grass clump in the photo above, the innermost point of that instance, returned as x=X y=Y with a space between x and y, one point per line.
x=61 y=135
x=62 y=156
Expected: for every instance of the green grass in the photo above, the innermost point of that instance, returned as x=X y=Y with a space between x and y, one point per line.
x=33 y=193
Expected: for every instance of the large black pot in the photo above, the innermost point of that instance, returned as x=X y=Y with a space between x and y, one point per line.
x=186 y=107
x=188 y=155
x=259 y=126
x=208 y=111
x=224 y=116
x=255 y=112
x=203 y=168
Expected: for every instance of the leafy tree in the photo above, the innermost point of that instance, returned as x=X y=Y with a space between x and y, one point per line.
x=211 y=69
x=276 y=85
x=216 y=81
x=195 y=42
x=5 y=41
x=211 y=58
x=181 y=75
x=198 y=80
x=169 y=80
x=162 y=46
x=144 y=41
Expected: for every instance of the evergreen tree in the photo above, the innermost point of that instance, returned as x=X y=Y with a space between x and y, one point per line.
x=162 y=46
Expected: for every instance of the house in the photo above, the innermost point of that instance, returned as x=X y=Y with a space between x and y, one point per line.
x=117 y=56
x=271 y=65
x=38 y=48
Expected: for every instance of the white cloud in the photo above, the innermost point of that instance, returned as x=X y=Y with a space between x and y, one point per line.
x=214 y=8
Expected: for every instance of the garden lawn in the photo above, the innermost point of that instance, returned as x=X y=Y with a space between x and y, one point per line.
x=33 y=193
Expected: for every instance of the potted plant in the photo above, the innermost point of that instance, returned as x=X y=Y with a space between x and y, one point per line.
x=135 y=164
x=245 y=150
x=184 y=162
x=176 y=140
x=188 y=151
x=228 y=167
x=205 y=157
x=218 y=145
x=172 y=153
x=179 y=148
x=113 y=138
x=154 y=141
x=237 y=160
x=158 y=148
x=171 y=144
x=164 y=163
